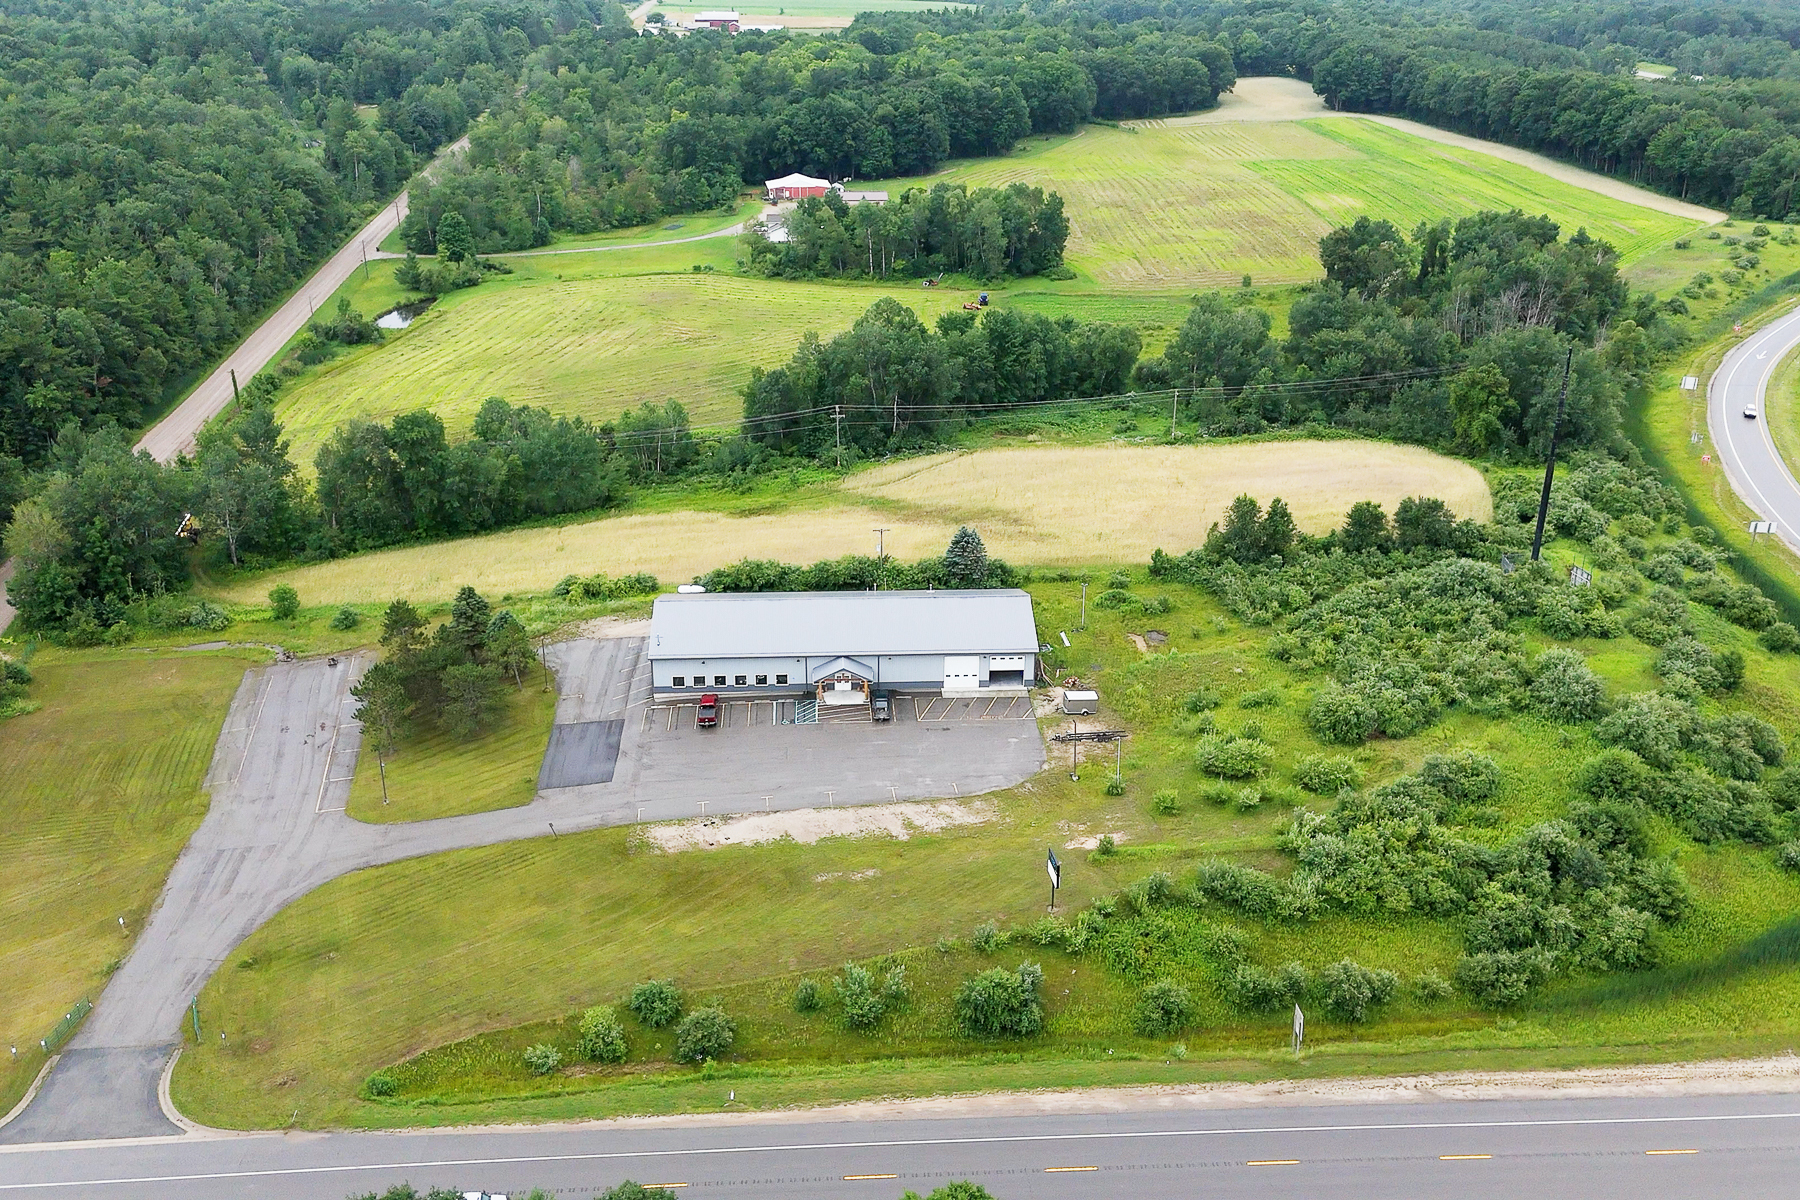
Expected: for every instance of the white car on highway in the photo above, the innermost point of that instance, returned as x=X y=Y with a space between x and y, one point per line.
x=1750 y=410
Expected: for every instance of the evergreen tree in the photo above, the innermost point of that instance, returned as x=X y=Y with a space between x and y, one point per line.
x=966 y=560
x=454 y=241
x=509 y=646
x=469 y=617
x=385 y=705
x=400 y=626
x=1277 y=529
x=1240 y=538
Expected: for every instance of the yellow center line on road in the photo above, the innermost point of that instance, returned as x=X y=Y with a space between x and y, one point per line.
x=1671 y=1152
x=1273 y=1162
x=1060 y=1170
x=1461 y=1157
x=665 y=1185
x=888 y=1176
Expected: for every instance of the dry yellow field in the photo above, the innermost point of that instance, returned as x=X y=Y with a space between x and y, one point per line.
x=1034 y=505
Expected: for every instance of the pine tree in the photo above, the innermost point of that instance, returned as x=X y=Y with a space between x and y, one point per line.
x=966 y=561
x=400 y=626
x=1277 y=529
x=469 y=616
x=454 y=241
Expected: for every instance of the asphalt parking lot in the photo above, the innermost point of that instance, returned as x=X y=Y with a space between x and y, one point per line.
x=757 y=760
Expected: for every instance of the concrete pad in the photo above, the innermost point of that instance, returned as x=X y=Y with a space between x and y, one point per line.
x=581 y=752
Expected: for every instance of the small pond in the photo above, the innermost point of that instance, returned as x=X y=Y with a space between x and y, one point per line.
x=400 y=318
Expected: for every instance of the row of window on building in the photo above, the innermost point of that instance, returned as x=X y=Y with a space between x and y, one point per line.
x=719 y=681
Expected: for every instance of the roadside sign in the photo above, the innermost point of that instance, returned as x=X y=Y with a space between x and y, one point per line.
x=1690 y=383
x=1055 y=869
x=1506 y=564
x=1580 y=576
x=1757 y=527
x=1299 y=1028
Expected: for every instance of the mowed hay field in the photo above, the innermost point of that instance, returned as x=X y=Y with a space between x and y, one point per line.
x=1163 y=206
x=101 y=789
x=590 y=347
x=1033 y=505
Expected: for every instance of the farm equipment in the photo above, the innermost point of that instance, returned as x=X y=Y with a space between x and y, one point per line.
x=977 y=304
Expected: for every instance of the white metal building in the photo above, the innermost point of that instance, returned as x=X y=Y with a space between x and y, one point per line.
x=840 y=645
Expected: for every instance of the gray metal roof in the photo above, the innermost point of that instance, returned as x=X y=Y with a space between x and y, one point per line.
x=816 y=624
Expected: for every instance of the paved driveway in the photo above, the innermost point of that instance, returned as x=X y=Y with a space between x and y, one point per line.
x=276 y=829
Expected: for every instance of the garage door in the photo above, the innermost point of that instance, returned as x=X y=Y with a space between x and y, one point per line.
x=962 y=671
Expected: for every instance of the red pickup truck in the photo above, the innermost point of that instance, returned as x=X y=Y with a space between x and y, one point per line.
x=708 y=715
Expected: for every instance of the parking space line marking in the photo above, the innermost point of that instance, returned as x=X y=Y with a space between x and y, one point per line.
x=1671 y=1152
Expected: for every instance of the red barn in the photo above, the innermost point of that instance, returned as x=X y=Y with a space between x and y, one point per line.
x=794 y=187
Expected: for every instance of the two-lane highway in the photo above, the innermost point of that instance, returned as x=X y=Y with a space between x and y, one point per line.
x=1715 y=1146
x=1743 y=444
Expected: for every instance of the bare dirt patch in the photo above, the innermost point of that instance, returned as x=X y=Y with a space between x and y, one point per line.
x=809 y=825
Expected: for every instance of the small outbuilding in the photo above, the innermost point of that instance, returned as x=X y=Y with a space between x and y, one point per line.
x=1081 y=704
x=840 y=646
x=860 y=197
x=795 y=187
x=725 y=19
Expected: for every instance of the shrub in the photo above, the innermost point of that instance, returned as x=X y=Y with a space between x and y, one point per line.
x=380 y=1084
x=655 y=1002
x=1710 y=670
x=1430 y=987
x=1499 y=978
x=1342 y=717
x=705 y=1033
x=1117 y=598
x=542 y=1058
x=1115 y=785
x=859 y=1003
x=1462 y=776
x=1107 y=847
x=1349 y=990
x=1327 y=774
x=1119 y=580
x=1246 y=888
x=1258 y=990
x=1165 y=803
x=1234 y=758
x=1781 y=637
x=1261 y=698
x=1614 y=775
x=1162 y=1007
x=284 y=602
x=1565 y=688
x=1653 y=726
x=987 y=937
x=1001 y=1003
x=1201 y=699
x=346 y=618
x=1788 y=856
x=806 y=996
x=208 y=616
x=602 y=1038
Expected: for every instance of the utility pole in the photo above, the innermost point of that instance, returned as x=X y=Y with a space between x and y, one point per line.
x=232 y=371
x=1174 y=407
x=1537 y=539
x=365 y=256
x=1084 y=604
x=880 y=554
x=381 y=765
x=837 y=415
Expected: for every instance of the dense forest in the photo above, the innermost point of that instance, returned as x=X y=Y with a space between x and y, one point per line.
x=168 y=171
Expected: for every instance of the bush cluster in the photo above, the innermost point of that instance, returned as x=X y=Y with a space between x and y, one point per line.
x=655 y=1002
x=601 y=1036
x=1234 y=757
x=1327 y=774
x=862 y=1002
x=704 y=1035
x=1001 y=1003
x=598 y=587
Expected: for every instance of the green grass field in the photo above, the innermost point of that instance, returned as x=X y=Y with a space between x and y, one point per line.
x=102 y=789
x=1169 y=207
x=376 y=968
x=432 y=774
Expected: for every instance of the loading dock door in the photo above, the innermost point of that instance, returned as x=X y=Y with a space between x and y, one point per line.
x=962 y=672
